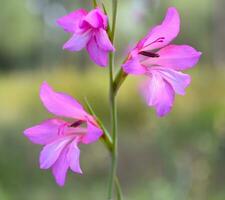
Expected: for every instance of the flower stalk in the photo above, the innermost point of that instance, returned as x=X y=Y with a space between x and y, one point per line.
x=113 y=108
x=153 y=56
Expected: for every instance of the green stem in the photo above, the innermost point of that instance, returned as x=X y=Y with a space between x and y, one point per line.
x=118 y=189
x=114 y=130
x=113 y=108
x=95 y=3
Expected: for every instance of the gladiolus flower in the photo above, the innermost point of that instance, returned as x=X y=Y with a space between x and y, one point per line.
x=163 y=66
x=88 y=31
x=61 y=138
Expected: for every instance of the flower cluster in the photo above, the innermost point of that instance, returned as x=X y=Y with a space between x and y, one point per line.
x=153 y=57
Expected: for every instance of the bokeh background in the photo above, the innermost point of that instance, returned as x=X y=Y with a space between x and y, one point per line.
x=179 y=157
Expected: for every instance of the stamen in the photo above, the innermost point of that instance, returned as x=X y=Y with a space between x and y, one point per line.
x=149 y=54
x=160 y=39
x=76 y=124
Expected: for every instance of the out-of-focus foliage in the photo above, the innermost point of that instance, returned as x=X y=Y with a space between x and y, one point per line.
x=179 y=157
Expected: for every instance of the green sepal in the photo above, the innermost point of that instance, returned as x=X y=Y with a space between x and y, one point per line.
x=106 y=138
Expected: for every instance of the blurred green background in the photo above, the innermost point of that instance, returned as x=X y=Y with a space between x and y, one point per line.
x=179 y=157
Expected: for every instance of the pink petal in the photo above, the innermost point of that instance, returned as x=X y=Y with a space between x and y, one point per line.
x=77 y=41
x=95 y=19
x=167 y=31
x=52 y=151
x=73 y=157
x=133 y=66
x=178 y=57
x=178 y=80
x=158 y=94
x=45 y=132
x=103 y=40
x=70 y=22
x=59 y=169
x=61 y=104
x=98 y=55
x=92 y=135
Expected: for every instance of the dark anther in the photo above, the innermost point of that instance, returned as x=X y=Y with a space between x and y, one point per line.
x=76 y=124
x=149 y=54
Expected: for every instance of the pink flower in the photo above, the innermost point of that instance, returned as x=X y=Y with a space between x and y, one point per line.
x=162 y=67
x=88 y=30
x=61 y=138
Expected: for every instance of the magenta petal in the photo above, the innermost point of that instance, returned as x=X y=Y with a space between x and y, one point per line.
x=45 y=132
x=70 y=22
x=73 y=157
x=95 y=18
x=52 y=151
x=178 y=80
x=98 y=55
x=133 y=66
x=92 y=135
x=60 y=167
x=77 y=41
x=103 y=40
x=158 y=94
x=61 y=104
x=163 y=34
x=178 y=57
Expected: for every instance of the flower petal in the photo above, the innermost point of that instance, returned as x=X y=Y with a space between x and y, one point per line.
x=178 y=57
x=70 y=22
x=61 y=104
x=103 y=40
x=59 y=169
x=95 y=19
x=44 y=132
x=77 y=41
x=178 y=80
x=98 y=55
x=158 y=94
x=52 y=151
x=73 y=157
x=133 y=66
x=161 y=35
x=92 y=135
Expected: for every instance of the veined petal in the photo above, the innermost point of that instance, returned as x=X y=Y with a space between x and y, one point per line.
x=61 y=104
x=70 y=22
x=103 y=40
x=158 y=94
x=178 y=57
x=45 y=132
x=60 y=167
x=51 y=152
x=95 y=19
x=77 y=41
x=161 y=35
x=178 y=80
x=73 y=157
x=98 y=55
x=92 y=135
x=133 y=66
